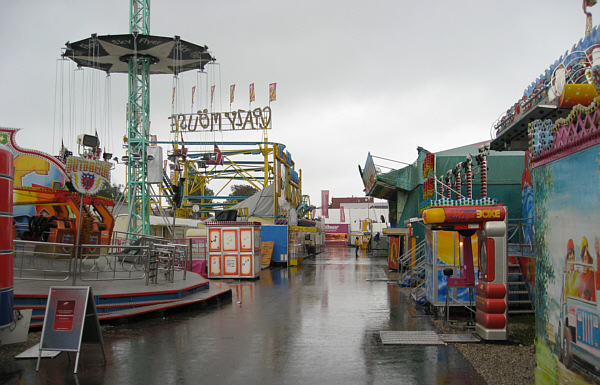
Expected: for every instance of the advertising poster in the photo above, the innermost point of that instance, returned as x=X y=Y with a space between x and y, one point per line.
x=63 y=318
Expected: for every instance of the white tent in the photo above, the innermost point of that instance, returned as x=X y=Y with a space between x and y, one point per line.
x=261 y=204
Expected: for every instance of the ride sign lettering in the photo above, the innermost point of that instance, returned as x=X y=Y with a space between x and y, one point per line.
x=256 y=119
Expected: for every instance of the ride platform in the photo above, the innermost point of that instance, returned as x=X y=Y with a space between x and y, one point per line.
x=122 y=299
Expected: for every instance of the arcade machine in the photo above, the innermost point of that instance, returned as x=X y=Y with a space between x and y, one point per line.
x=488 y=222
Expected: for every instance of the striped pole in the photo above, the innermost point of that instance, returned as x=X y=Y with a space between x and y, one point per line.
x=458 y=182
x=7 y=172
x=469 y=176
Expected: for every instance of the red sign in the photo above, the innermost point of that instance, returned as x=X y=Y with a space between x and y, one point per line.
x=63 y=319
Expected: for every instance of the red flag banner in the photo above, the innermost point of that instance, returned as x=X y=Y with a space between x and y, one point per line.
x=342 y=214
x=325 y=203
x=193 y=92
x=272 y=92
x=219 y=155
x=212 y=94
x=231 y=93
x=252 y=95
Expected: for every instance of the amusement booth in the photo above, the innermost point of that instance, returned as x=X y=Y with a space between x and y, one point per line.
x=485 y=228
x=398 y=241
x=233 y=249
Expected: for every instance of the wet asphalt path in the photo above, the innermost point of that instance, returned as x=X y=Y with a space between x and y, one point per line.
x=317 y=323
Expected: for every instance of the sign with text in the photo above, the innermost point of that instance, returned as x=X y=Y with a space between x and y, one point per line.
x=266 y=252
x=63 y=319
x=203 y=120
x=369 y=174
x=70 y=319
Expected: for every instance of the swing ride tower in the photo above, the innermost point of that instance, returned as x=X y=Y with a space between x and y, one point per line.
x=138 y=124
x=139 y=55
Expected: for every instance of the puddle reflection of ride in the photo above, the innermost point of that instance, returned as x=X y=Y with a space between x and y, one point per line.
x=579 y=331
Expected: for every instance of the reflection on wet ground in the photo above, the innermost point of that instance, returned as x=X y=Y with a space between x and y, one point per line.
x=318 y=322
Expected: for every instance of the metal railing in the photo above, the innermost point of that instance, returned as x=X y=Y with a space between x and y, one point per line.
x=110 y=262
x=133 y=258
x=520 y=237
x=412 y=265
x=42 y=261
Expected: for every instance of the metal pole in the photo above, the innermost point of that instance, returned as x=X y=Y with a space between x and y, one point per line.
x=190 y=251
x=77 y=242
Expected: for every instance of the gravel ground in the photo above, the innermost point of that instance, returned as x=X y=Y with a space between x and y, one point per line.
x=499 y=363
x=502 y=363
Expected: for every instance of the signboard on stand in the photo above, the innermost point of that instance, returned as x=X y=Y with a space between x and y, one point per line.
x=266 y=252
x=70 y=319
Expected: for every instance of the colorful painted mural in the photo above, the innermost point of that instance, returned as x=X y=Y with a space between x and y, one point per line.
x=32 y=168
x=566 y=183
x=527 y=227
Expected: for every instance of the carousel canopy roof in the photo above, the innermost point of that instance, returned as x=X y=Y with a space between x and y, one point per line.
x=111 y=53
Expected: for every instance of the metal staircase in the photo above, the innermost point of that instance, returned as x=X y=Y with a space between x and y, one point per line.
x=519 y=246
x=412 y=267
x=519 y=300
x=168 y=187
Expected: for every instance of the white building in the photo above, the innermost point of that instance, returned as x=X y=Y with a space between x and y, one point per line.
x=347 y=218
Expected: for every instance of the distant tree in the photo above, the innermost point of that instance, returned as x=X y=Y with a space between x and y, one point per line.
x=241 y=190
x=114 y=192
x=208 y=192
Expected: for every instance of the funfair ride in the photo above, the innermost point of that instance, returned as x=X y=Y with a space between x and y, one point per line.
x=194 y=164
x=139 y=55
x=184 y=180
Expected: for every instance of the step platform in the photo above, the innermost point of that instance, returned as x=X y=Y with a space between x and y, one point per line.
x=424 y=337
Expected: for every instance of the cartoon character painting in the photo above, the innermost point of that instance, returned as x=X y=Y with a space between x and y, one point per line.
x=567 y=268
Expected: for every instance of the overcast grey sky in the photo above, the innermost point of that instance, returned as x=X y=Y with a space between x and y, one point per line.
x=352 y=76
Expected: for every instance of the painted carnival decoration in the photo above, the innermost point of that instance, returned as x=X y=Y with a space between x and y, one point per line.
x=44 y=209
x=451 y=182
x=567 y=74
x=87 y=175
x=567 y=246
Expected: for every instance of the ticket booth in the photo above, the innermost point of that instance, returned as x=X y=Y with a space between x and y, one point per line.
x=397 y=246
x=488 y=223
x=233 y=249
